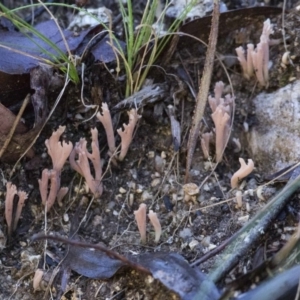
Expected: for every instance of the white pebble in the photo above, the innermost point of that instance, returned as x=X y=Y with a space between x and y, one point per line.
x=122 y=190
x=66 y=218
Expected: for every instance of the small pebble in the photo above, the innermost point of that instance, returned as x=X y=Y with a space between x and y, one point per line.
x=193 y=244
x=151 y=154
x=66 y=218
x=122 y=190
x=155 y=182
x=145 y=196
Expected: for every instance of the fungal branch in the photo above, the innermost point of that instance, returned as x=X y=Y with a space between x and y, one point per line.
x=59 y=153
x=126 y=134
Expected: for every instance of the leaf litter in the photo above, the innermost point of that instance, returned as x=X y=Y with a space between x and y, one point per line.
x=171 y=269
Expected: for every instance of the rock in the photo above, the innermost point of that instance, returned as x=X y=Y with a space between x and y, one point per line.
x=274 y=141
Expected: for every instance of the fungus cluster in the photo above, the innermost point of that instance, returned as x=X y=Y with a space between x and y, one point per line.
x=141 y=220
x=80 y=157
x=257 y=59
x=222 y=110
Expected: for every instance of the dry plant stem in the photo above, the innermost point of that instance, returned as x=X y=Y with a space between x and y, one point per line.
x=246 y=237
x=204 y=88
x=170 y=50
x=213 y=252
x=40 y=59
x=167 y=173
x=59 y=29
x=98 y=247
x=73 y=232
x=283 y=26
x=16 y=122
x=51 y=280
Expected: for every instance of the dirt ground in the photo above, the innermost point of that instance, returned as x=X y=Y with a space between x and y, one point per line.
x=152 y=173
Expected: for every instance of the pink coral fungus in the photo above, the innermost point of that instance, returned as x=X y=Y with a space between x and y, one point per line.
x=82 y=166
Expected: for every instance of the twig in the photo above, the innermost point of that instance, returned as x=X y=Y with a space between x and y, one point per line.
x=98 y=38
x=273 y=264
x=71 y=57
x=213 y=252
x=36 y=13
x=219 y=248
x=16 y=122
x=204 y=87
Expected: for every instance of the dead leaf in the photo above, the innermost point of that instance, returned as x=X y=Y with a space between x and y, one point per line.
x=39 y=81
x=229 y=21
x=171 y=269
x=7 y=120
x=91 y=263
x=24 y=51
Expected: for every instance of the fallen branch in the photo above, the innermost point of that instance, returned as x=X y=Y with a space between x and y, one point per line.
x=246 y=237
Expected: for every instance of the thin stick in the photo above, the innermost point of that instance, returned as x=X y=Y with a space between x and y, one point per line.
x=204 y=88
x=71 y=57
x=15 y=124
x=248 y=235
x=98 y=247
x=283 y=31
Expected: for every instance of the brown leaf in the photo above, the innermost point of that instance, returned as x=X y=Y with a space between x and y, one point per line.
x=7 y=119
x=229 y=21
x=39 y=82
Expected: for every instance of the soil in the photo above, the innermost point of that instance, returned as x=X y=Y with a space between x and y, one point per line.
x=152 y=173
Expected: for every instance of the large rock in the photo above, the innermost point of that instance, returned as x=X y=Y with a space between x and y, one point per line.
x=275 y=139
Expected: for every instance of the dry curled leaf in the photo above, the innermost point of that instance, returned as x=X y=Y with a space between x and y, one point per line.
x=39 y=82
